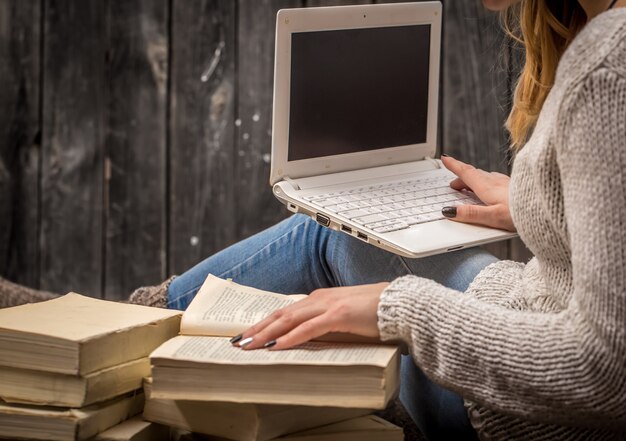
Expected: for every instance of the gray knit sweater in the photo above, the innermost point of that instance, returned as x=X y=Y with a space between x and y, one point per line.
x=539 y=350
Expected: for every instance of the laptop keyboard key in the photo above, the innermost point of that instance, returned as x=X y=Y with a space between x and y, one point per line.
x=394 y=205
x=351 y=214
x=370 y=218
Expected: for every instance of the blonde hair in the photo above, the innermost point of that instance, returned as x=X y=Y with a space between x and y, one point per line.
x=545 y=28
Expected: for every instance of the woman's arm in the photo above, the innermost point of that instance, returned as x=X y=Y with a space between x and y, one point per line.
x=569 y=367
x=562 y=368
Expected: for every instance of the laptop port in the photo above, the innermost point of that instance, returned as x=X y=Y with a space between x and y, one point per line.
x=361 y=236
x=322 y=220
x=346 y=229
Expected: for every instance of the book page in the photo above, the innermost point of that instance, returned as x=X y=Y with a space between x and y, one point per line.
x=218 y=350
x=369 y=423
x=134 y=429
x=224 y=308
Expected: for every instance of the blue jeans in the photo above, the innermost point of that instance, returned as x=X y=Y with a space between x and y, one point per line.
x=298 y=256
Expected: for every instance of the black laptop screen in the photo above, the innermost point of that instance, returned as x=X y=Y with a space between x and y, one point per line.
x=358 y=89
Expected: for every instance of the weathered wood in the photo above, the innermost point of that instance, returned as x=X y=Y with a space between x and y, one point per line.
x=24 y=257
x=314 y=3
x=187 y=159
x=475 y=82
x=202 y=189
x=257 y=208
x=72 y=143
x=475 y=90
x=20 y=24
x=135 y=166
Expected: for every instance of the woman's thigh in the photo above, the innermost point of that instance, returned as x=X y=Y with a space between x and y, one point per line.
x=284 y=258
x=298 y=256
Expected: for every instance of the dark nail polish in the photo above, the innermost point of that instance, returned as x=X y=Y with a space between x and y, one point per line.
x=449 y=211
x=236 y=338
x=443 y=154
x=269 y=344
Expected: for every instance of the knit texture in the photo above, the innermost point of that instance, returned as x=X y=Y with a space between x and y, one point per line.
x=539 y=350
x=12 y=294
x=155 y=296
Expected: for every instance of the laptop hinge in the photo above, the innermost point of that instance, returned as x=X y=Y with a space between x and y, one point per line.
x=293 y=183
x=436 y=163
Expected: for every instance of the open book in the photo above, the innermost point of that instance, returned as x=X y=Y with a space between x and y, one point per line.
x=222 y=308
x=202 y=365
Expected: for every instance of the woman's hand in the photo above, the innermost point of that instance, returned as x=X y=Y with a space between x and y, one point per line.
x=352 y=309
x=491 y=187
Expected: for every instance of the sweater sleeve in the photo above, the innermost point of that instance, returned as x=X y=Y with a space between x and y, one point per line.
x=563 y=368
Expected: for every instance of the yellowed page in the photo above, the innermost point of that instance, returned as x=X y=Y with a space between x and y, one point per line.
x=77 y=318
x=49 y=388
x=218 y=350
x=224 y=308
x=369 y=423
x=134 y=429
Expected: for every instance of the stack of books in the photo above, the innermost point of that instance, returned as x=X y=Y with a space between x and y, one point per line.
x=72 y=368
x=319 y=391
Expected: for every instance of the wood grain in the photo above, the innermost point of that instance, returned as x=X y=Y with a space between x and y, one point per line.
x=257 y=208
x=475 y=91
x=73 y=113
x=202 y=108
x=20 y=25
x=135 y=198
x=187 y=160
x=315 y=3
x=475 y=82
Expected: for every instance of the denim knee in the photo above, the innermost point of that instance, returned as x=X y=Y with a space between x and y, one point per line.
x=439 y=413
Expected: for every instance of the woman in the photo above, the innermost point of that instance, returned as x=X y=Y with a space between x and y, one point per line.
x=534 y=351
x=499 y=350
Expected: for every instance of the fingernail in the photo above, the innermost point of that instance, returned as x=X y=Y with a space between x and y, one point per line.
x=235 y=339
x=449 y=211
x=269 y=344
x=245 y=342
x=443 y=154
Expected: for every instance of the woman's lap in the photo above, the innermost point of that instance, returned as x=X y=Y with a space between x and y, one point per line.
x=299 y=256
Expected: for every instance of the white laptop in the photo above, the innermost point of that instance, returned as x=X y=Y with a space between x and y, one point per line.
x=355 y=126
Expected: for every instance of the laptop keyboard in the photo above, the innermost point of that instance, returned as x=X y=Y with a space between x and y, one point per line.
x=394 y=206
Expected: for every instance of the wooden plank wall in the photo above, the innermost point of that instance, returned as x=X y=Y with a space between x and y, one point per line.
x=20 y=139
x=135 y=136
x=73 y=134
x=135 y=230
x=202 y=131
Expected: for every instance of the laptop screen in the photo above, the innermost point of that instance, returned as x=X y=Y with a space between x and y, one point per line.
x=356 y=90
